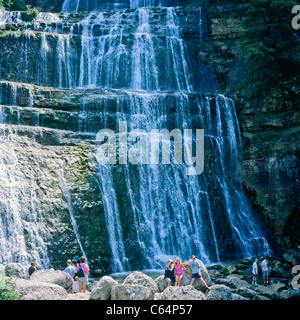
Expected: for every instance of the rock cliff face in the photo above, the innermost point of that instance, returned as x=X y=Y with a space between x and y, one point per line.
x=269 y=128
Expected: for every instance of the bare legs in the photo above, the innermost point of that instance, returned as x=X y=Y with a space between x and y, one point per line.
x=178 y=280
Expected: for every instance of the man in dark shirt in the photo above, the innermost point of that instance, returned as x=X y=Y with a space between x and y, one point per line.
x=32 y=268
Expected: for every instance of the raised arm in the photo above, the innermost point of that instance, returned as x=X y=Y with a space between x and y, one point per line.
x=185 y=268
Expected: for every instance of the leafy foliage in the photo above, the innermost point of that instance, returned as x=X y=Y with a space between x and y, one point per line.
x=8 y=291
x=13 y=5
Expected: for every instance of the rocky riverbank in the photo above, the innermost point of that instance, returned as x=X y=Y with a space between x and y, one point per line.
x=227 y=281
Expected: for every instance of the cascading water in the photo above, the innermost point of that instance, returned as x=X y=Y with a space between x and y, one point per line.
x=90 y=5
x=151 y=211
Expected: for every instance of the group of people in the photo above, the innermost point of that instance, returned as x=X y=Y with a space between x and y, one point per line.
x=79 y=271
x=174 y=271
x=264 y=270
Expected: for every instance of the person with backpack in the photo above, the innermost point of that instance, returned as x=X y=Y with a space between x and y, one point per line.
x=82 y=271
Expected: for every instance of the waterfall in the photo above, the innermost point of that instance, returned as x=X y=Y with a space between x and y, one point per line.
x=23 y=230
x=112 y=67
x=173 y=214
x=90 y=5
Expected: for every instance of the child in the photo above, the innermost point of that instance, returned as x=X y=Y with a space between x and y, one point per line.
x=264 y=268
x=75 y=287
x=254 y=272
x=178 y=268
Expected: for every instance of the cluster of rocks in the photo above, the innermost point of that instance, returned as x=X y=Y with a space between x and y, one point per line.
x=226 y=282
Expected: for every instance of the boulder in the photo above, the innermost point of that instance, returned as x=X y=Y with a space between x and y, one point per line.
x=221 y=281
x=181 y=293
x=215 y=267
x=289 y=295
x=161 y=283
x=246 y=292
x=132 y=292
x=102 y=290
x=279 y=272
x=58 y=277
x=214 y=273
x=235 y=283
x=39 y=290
x=236 y=296
x=142 y=279
x=277 y=286
x=242 y=266
x=267 y=292
x=230 y=269
x=218 y=292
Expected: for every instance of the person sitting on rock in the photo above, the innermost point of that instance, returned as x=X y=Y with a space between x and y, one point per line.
x=169 y=273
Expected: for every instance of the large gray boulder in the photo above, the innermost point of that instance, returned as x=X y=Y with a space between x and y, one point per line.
x=102 y=290
x=39 y=290
x=132 y=292
x=219 y=292
x=58 y=277
x=142 y=279
x=181 y=293
x=161 y=283
x=235 y=283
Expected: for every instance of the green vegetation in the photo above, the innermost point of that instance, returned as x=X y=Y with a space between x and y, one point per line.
x=13 y=5
x=30 y=13
x=8 y=290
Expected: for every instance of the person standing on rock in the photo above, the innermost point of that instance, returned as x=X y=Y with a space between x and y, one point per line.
x=178 y=268
x=169 y=273
x=265 y=271
x=83 y=274
x=196 y=271
x=254 y=272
